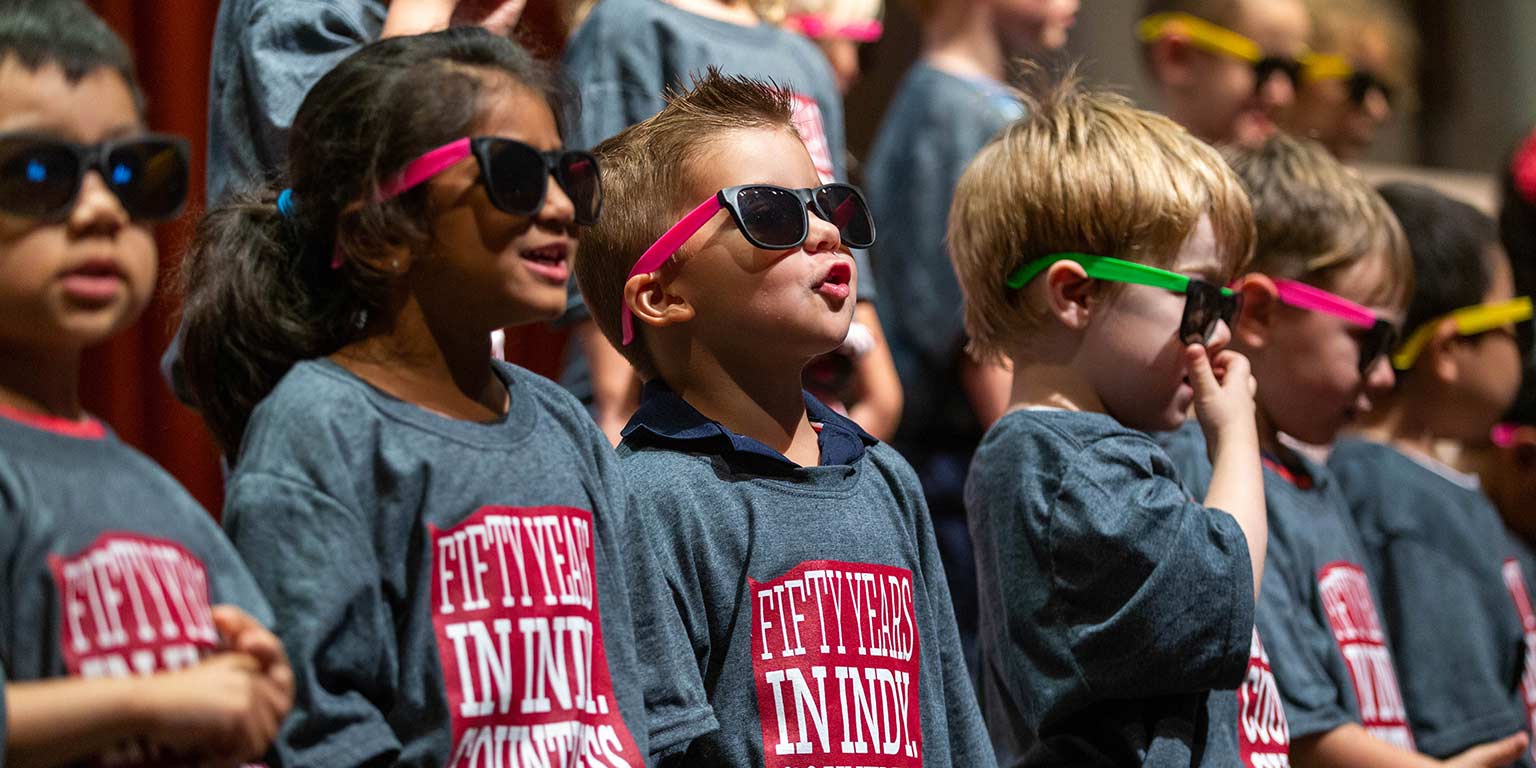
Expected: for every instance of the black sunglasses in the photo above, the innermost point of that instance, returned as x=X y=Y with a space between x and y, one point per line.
x=1206 y=305
x=514 y=175
x=40 y=176
x=1376 y=343
x=775 y=218
x=1362 y=84
x=1269 y=66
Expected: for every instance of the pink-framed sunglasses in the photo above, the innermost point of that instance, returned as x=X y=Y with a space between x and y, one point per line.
x=770 y=217
x=514 y=175
x=815 y=25
x=1380 y=335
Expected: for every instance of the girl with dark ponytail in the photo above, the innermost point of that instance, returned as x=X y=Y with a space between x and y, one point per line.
x=445 y=539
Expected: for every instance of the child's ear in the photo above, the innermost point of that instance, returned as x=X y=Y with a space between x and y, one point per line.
x=1068 y=289
x=648 y=298
x=1170 y=58
x=1255 y=323
x=1438 y=356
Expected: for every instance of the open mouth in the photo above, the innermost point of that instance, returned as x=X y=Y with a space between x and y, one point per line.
x=838 y=282
x=551 y=261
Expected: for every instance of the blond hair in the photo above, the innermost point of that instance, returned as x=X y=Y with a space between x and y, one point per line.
x=646 y=184
x=1085 y=172
x=1316 y=218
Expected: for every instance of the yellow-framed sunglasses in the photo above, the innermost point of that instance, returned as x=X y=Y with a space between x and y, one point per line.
x=1214 y=38
x=1470 y=321
x=1361 y=82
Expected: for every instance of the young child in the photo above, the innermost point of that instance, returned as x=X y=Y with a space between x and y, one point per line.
x=1227 y=70
x=1361 y=71
x=445 y=539
x=949 y=104
x=623 y=59
x=1112 y=602
x=1432 y=539
x=130 y=632
x=798 y=548
x=1330 y=279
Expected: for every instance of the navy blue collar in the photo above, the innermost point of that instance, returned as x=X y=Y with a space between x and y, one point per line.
x=666 y=419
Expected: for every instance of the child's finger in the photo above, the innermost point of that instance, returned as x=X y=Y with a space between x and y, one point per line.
x=1201 y=376
x=1236 y=370
x=231 y=621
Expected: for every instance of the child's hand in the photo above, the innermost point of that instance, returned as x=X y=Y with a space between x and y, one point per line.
x=244 y=634
x=1494 y=754
x=1224 y=390
x=225 y=707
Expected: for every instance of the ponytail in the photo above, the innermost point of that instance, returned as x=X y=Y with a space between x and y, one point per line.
x=265 y=289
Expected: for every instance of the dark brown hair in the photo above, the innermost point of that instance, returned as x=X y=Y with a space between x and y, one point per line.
x=260 y=291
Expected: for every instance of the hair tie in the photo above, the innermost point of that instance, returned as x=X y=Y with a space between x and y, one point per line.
x=285 y=203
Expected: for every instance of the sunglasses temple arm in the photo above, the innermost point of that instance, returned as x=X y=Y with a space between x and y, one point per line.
x=1303 y=296
x=424 y=167
x=662 y=249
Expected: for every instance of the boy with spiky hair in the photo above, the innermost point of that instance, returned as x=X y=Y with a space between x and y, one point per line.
x=798 y=548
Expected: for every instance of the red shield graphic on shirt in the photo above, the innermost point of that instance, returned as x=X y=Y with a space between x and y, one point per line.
x=808 y=123
x=1263 y=736
x=1351 y=611
x=514 y=604
x=835 y=660
x=133 y=605
x=1514 y=579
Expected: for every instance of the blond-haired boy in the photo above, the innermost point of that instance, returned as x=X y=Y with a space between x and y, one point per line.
x=1091 y=241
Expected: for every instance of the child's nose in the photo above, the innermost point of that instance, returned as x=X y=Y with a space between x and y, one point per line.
x=97 y=205
x=557 y=204
x=1277 y=92
x=1377 y=107
x=1220 y=338
x=821 y=235
x=1380 y=377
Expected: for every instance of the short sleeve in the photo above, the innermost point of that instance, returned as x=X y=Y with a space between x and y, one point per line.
x=313 y=558
x=1156 y=590
x=1299 y=646
x=285 y=50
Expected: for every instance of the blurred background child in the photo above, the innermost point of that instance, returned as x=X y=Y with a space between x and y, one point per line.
x=1360 y=73
x=1227 y=70
x=1434 y=543
x=130 y=630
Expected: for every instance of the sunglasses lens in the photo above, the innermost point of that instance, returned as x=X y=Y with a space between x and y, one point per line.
x=37 y=177
x=516 y=176
x=1265 y=69
x=845 y=209
x=1377 y=343
x=579 y=178
x=1204 y=307
x=1363 y=84
x=149 y=176
x=773 y=217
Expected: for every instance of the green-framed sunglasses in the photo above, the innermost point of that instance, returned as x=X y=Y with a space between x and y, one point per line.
x=1205 y=304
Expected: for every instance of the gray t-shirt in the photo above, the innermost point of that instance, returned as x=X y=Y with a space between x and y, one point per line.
x=266 y=55
x=1112 y=604
x=1317 y=614
x=108 y=567
x=453 y=592
x=935 y=125
x=814 y=599
x=1437 y=548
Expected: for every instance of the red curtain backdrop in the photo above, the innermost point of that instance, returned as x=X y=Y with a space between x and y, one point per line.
x=171 y=40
